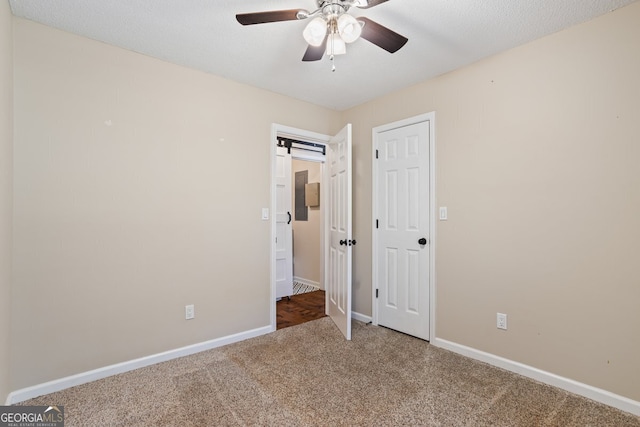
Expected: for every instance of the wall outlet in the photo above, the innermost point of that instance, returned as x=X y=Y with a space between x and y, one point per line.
x=501 y=321
x=189 y=312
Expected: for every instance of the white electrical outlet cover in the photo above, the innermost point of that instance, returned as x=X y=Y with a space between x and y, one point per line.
x=501 y=321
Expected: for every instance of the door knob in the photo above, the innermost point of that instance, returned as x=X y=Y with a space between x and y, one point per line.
x=422 y=241
x=343 y=242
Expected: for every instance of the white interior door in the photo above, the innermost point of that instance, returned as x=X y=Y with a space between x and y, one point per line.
x=340 y=240
x=284 y=247
x=403 y=241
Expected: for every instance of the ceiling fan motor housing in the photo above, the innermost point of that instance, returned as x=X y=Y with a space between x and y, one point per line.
x=333 y=9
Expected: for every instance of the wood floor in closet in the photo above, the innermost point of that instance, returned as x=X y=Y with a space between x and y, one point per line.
x=300 y=309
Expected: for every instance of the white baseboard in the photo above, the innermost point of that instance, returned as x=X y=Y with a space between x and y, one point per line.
x=361 y=317
x=96 y=374
x=585 y=390
x=307 y=282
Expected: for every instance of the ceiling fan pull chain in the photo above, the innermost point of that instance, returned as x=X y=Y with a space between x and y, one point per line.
x=331 y=57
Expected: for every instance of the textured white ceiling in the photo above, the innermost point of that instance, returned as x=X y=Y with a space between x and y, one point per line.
x=203 y=34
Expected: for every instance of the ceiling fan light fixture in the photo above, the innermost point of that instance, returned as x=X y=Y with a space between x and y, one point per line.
x=330 y=27
x=335 y=45
x=349 y=28
x=315 y=31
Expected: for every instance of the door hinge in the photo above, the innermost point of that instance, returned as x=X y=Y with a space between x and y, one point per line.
x=376 y=293
x=376 y=223
x=376 y=154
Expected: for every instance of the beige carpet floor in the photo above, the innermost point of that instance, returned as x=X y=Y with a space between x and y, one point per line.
x=308 y=375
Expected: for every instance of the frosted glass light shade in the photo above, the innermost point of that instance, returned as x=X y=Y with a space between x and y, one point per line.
x=349 y=28
x=315 y=31
x=335 y=45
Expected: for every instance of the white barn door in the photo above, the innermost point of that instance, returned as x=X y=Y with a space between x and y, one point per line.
x=284 y=244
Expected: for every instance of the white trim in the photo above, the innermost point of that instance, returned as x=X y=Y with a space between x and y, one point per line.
x=585 y=390
x=306 y=282
x=432 y=223
x=301 y=134
x=374 y=235
x=307 y=156
x=360 y=317
x=426 y=117
x=107 y=371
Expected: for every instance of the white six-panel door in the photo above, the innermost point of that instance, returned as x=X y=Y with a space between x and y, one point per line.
x=341 y=242
x=402 y=215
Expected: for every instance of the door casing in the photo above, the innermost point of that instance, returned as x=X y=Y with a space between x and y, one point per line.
x=278 y=130
x=432 y=213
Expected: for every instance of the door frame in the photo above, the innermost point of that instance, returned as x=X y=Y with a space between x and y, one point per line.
x=430 y=117
x=278 y=130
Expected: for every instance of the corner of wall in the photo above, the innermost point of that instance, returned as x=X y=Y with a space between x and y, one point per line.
x=6 y=191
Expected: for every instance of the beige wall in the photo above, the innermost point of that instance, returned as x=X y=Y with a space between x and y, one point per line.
x=6 y=192
x=306 y=234
x=129 y=204
x=538 y=163
x=124 y=210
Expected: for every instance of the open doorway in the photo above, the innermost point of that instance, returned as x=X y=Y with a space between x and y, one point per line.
x=306 y=225
x=336 y=236
x=307 y=302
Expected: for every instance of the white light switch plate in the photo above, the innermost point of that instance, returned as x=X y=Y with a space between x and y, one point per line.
x=443 y=213
x=265 y=214
x=189 y=311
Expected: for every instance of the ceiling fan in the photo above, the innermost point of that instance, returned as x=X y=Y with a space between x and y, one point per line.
x=331 y=27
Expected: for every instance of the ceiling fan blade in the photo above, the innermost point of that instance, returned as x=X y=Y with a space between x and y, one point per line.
x=382 y=36
x=315 y=53
x=265 y=17
x=372 y=3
